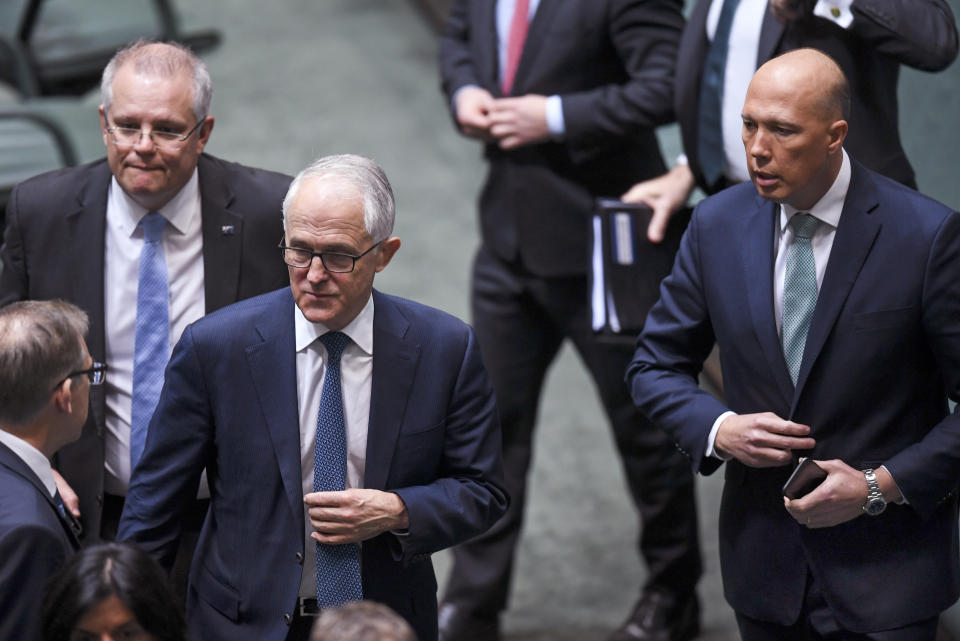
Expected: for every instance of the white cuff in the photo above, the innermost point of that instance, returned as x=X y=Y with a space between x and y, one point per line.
x=711 y=451
x=682 y=160
x=836 y=11
x=554 y=114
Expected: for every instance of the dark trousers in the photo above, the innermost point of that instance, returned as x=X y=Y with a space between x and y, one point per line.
x=521 y=321
x=189 y=534
x=817 y=623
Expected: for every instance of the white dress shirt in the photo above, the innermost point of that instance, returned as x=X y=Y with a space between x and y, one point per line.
x=183 y=251
x=36 y=460
x=356 y=376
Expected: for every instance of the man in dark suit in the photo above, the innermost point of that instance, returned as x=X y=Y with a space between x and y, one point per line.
x=78 y=233
x=45 y=379
x=399 y=460
x=869 y=39
x=833 y=297
x=565 y=96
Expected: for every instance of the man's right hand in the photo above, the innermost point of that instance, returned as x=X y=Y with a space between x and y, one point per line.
x=665 y=195
x=70 y=499
x=473 y=112
x=762 y=440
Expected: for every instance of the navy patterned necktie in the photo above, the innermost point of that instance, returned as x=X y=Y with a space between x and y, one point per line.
x=338 y=566
x=799 y=292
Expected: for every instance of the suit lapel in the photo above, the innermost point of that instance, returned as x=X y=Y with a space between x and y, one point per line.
x=394 y=365
x=488 y=40
x=771 y=31
x=855 y=236
x=17 y=466
x=273 y=363
x=534 y=43
x=758 y=268
x=222 y=237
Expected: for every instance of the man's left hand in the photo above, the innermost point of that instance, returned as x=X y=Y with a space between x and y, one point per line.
x=354 y=515
x=519 y=121
x=838 y=499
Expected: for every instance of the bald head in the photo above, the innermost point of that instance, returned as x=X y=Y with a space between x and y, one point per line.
x=814 y=77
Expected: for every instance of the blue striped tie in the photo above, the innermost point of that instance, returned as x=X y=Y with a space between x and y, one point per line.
x=338 y=566
x=151 y=348
x=799 y=292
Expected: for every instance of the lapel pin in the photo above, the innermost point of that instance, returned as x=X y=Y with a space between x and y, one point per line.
x=226 y=230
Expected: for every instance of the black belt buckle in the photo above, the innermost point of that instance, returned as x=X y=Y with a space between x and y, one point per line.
x=307 y=607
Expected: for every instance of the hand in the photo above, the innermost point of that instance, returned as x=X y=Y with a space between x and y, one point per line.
x=519 y=121
x=354 y=515
x=762 y=440
x=665 y=195
x=789 y=10
x=473 y=112
x=838 y=499
x=70 y=499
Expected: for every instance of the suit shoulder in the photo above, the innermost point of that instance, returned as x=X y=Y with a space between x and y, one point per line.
x=426 y=321
x=243 y=178
x=59 y=185
x=241 y=313
x=906 y=208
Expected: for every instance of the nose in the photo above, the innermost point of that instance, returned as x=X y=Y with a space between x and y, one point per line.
x=316 y=272
x=145 y=144
x=757 y=144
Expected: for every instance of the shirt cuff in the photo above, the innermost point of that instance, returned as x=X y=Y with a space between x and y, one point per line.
x=711 y=450
x=905 y=501
x=682 y=160
x=836 y=11
x=554 y=114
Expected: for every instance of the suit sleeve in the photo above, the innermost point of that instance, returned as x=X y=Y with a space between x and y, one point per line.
x=676 y=340
x=13 y=271
x=645 y=35
x=917 y=33
x=927 y=471
x=31 y=555
x=468 y=495
x=456 y=60
x=179 y=440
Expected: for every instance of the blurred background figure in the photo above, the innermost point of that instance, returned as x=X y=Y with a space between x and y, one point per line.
x=361 y=621
x=112 y=592
x=45 y=378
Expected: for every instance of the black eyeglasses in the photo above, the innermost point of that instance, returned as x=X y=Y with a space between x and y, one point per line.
x=335 y=262
x=161 y=138
x=95 y=374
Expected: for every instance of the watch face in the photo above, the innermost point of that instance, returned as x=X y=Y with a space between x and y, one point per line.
x=875 y=506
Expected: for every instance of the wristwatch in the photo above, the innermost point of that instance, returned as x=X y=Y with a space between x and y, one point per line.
x=875 y=503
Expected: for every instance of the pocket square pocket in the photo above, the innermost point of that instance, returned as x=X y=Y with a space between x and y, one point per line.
x=885 y=319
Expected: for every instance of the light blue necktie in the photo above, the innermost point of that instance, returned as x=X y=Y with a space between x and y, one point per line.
x=338 y=566
x=710 y=127
x=799 y=292
x=151 y=348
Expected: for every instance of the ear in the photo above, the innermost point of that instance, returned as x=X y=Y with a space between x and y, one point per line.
x=203 y=135
x=63 y=396
x=387 y=250
x=836 y=134
x=103 y=125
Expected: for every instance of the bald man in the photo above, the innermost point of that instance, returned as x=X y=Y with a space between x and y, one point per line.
x=832 y=294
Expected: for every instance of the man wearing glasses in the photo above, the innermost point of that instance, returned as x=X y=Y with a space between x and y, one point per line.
x=146 y=241
x=347 y=434
x=45 y=379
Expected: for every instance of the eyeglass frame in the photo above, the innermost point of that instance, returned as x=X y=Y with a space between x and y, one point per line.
x=110 y=130
x=96 y=374
x=320 y=255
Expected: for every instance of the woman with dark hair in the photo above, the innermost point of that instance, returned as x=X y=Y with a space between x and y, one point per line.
x=110 y=592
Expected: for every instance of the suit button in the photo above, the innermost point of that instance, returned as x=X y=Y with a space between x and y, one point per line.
x=300 y=558
x=288 y=619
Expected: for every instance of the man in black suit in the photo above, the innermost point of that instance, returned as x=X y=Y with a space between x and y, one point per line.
x=869 y=39
x=45 y=378
x=77 y=234
x=566 y=115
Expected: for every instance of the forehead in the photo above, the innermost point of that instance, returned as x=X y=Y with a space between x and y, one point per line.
x=326 y=207
x=147 y=94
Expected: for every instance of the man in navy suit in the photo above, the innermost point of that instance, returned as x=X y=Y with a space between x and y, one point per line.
x=246 y=397
x=867 y=270
x=45 y=378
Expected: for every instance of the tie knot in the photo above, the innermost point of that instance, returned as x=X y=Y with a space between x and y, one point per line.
x=153 y=224
x=335 y=342
x=804 y=225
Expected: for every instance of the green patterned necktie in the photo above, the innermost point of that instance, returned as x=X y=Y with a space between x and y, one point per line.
x=799 y=292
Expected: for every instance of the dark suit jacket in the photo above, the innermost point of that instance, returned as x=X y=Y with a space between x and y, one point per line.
x=882 y=355
x=229 y=404
x=54 y=248
x=884 y=35
x=34 y=543
x=612 y=62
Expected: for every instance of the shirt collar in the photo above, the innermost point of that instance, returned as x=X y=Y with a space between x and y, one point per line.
x=830 y=206
x=177 y=212
x=360 y=329
x=33 y=458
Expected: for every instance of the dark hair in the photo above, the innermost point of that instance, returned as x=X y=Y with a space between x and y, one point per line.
x=112 y=569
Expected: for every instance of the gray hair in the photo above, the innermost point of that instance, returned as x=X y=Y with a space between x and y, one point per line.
x=163 y=59
x=41 y=342
x=368 y=178
x=361 y=621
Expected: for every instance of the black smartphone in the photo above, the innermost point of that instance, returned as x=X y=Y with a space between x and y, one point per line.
x=805 y=478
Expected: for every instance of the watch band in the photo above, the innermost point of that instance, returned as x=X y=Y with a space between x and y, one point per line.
x=875 y=503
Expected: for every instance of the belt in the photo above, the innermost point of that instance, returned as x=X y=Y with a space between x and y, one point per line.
x=308 y=607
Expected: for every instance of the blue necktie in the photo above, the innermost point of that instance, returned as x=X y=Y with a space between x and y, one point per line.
x=151 y=348
x=338 y=566
x=799 y=292
x=710 y=129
